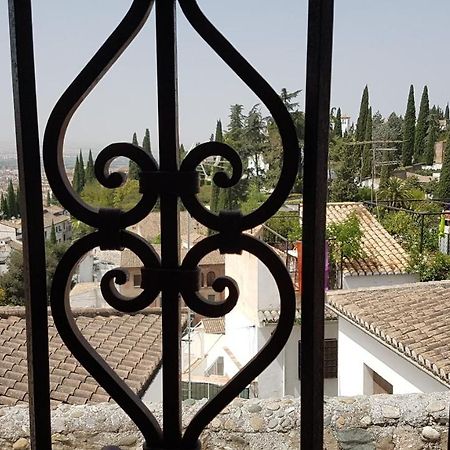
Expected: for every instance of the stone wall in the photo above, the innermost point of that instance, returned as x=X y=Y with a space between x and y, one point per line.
x=381 y=422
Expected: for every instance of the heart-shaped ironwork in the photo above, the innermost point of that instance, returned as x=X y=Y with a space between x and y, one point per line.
x=168 y=183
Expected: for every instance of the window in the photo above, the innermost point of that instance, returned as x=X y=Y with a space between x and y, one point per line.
x=330 y=355
x=375 y=383
x=137 y=280
x=210 y=277
x=217 y=368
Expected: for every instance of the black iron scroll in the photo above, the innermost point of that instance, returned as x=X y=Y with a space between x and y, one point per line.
x=169 y=182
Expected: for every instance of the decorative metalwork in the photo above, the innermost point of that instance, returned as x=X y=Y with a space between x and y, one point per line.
x=171 y=182
x=168 y=183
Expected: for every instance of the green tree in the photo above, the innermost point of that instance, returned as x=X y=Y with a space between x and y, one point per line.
x=444 y=180
x=12 y=282
x=82 y=171
x=395 y=192
x=288 y=99
x=422 y=127
x=447 y=113
x=215 y=190
x=338 y=124
x=343 y=186
x=361 y=124
x=90 y=172
x=431 y=140
x=346 y=239
x=126 y=196
x=367 y=156
x=97 y=195
x=4 y=207
x=12 y=201
x=76 y=181
x=235 y=127
x=133 y=168
x=182 y=152
x=48 y=201
x=53 y=254
x=52 y=238
x=255 y=143
x=409 y=129
x=146 y=144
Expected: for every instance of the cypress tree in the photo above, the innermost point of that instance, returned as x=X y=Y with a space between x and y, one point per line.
x=4 y=207
x=146 y=145
x=444 y=181
x=133 y=168
x=53 y=234
x=447 y=113
x=76 y=181
x=431 y=140
x=18 y=209
x=422 y=127
x=338 y=124
x=215 y=190
x=366 y=169
x=361 y=124
x=409 y=126
x=11 y=200
x=90 y=172
x=48 y=199
x=82 y=172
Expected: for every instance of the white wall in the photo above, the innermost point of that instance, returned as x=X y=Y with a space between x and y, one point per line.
x=281 y=377
x=154 y=391
x=356 y=348
x=245 y=335
x=354 y=282
x=8 y=232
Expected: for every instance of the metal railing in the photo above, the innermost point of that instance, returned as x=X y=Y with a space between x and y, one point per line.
x=170 y=182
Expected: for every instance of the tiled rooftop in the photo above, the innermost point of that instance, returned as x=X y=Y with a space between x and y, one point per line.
x=413 y=319
x=130 y=259
x=269 y=316
x=150 y=226
x=130 y=344
x=214 y=325
x=383 y=255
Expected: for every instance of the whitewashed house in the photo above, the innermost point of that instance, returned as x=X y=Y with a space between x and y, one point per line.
x=247 y=329
x=393 y=340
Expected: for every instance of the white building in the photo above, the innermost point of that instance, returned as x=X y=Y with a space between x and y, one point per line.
x=52 y=215
x=393 y=339
x=346 y=124
x=247 y=328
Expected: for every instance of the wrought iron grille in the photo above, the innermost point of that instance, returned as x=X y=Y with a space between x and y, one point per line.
x=170 y=182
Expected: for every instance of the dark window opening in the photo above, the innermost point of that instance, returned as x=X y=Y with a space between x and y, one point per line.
x=210 y=277
x=137 y=280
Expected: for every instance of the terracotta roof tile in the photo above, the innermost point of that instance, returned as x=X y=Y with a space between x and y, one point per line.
x=383 y=255
x=130 y=259
x=214 y=325
x=413 y=319
x=268 y=316
x=136 y=351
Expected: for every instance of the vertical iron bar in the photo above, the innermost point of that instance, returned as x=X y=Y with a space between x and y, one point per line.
x=170 y=237
x=27 y=139
x=317 y=111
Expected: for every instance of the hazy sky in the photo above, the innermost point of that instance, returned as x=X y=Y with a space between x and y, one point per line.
x=387 y=44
